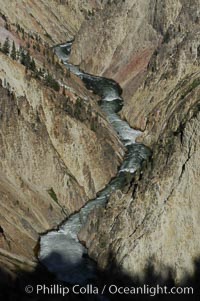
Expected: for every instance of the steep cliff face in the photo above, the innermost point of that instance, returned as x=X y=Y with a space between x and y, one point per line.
x=157 y=220
x=173 y=70
x=120 y=44
x=56 y=21
x=57 y=152
x=57 y=148
x=122 y=39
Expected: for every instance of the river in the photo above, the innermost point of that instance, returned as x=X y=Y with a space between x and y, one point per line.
x=60 y=250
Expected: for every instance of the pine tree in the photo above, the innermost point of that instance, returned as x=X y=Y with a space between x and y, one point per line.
x=25 y=58
x=38 y=47
x=13 y=52
x=6 y=46
x=22 y=56
x=63 y=92
x=51 y=82
x=28 y=45
x=67 y=73
x=17 y=55
x=7 y=26
x=53 y=59
x=32 y=65
x=28 y=60
x=23 y=33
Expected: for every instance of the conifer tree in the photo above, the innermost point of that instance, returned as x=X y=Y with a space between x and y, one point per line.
x=23 y=33
x=22 y=56
x=25 y=58
x=32 y=65
x=6 y=46
x=13 y=52
x=38 y=47
x=63 y=92
x=28 y=60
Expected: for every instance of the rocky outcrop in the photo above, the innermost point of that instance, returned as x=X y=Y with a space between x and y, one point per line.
x=157 y=221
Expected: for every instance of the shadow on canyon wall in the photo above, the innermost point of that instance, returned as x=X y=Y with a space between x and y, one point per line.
x=13 y=289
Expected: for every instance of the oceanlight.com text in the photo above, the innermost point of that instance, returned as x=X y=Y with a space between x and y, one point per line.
x=112 y=289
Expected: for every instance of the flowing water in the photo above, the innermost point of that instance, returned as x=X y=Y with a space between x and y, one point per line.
x=60 y=251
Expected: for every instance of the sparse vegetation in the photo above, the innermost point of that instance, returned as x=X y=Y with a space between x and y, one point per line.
x=191 y=87
x=48 y=36
x=6 y=46
x=52 y=194
x=103 y=244
x=166 y=37
x=51 y=82
x=13 y=52
x=23 y=56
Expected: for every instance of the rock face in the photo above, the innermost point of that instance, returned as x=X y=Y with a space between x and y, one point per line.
x=123 y=37
x=121 y=41
x=55 y=21
x=157 y=220
x=57 y=148
x=173 y=70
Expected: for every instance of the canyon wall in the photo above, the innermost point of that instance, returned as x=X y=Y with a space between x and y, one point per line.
x=55 y=21
x=122 y=38
x=57 y=148
x=156 y=221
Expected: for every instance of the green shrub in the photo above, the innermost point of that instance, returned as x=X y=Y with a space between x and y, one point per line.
x=52 y=194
